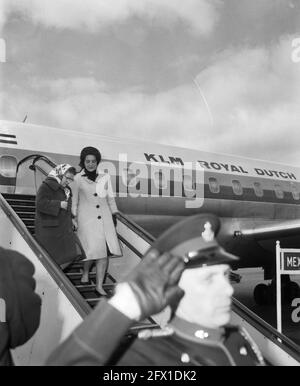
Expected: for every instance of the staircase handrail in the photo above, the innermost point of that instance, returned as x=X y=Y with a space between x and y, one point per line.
x=267 y=330
x=35 y=158
x=52 y=268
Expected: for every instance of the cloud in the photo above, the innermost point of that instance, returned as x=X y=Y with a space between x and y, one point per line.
x=199 y=16
x=253 y=95
x=3 y=13
x=83 y=104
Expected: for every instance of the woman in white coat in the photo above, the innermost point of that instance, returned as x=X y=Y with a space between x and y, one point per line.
x=94 y=209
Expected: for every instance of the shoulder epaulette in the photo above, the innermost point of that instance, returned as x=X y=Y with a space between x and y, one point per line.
x=155 y=333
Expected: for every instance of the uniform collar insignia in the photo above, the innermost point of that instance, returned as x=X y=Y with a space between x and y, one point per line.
x=195 y=332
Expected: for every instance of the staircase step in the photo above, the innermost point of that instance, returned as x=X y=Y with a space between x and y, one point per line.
x=28 y=222
x=26 y=215
x=23 y=208
x=85 y=288
x=77 y=275
x=91 y=287
x=25 y=197
x=27 y=203
x=76 y=266
x=93 y=302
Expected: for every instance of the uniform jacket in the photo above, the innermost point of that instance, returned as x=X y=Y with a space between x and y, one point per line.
x=93 y=206
x=53 y=225
x=21 y=316
x=187 y=344
x=99 y=341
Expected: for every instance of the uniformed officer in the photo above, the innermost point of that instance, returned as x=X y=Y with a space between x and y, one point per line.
x=149 y=288
x=199 y=334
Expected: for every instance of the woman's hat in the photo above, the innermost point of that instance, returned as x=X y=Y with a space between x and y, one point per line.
x=89 y=150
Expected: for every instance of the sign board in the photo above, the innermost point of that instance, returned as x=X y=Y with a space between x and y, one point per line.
x=287 y=263
x=291 y=261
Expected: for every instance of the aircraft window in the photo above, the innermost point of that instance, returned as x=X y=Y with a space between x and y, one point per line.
x=188 y=183
x=160 y=180
x=278 y=191
x=214 y=185
x=237 y=187
x=258 y=189
x=295 y=192
x=8 y=169
x=128 y=178
x=8 y=166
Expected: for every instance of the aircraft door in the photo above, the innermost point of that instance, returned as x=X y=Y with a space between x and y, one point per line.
x=41 y=169
x=8 y=174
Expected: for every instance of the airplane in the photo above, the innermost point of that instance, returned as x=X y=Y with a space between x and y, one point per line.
x=257 y=201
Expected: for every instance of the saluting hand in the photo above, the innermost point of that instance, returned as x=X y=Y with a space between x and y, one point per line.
x=154 y=282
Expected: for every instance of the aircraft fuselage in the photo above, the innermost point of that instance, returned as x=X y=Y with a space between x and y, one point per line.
x=158 y=184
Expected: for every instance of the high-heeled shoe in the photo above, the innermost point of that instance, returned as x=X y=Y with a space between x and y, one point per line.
x=101 y=291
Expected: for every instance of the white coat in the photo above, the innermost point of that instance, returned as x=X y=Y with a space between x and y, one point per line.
x=93 y=206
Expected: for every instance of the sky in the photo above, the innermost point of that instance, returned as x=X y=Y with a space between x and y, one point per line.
x=213 y=75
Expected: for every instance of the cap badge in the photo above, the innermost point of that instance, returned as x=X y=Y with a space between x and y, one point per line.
x=208 y=234
x=201 y=334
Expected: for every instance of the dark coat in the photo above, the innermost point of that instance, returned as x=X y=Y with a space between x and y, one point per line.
x=53 y=225
x=21 y=316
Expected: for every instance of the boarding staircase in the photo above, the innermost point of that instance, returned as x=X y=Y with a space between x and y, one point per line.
x=24 y=207
x=62 y=292
x=65 y=300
